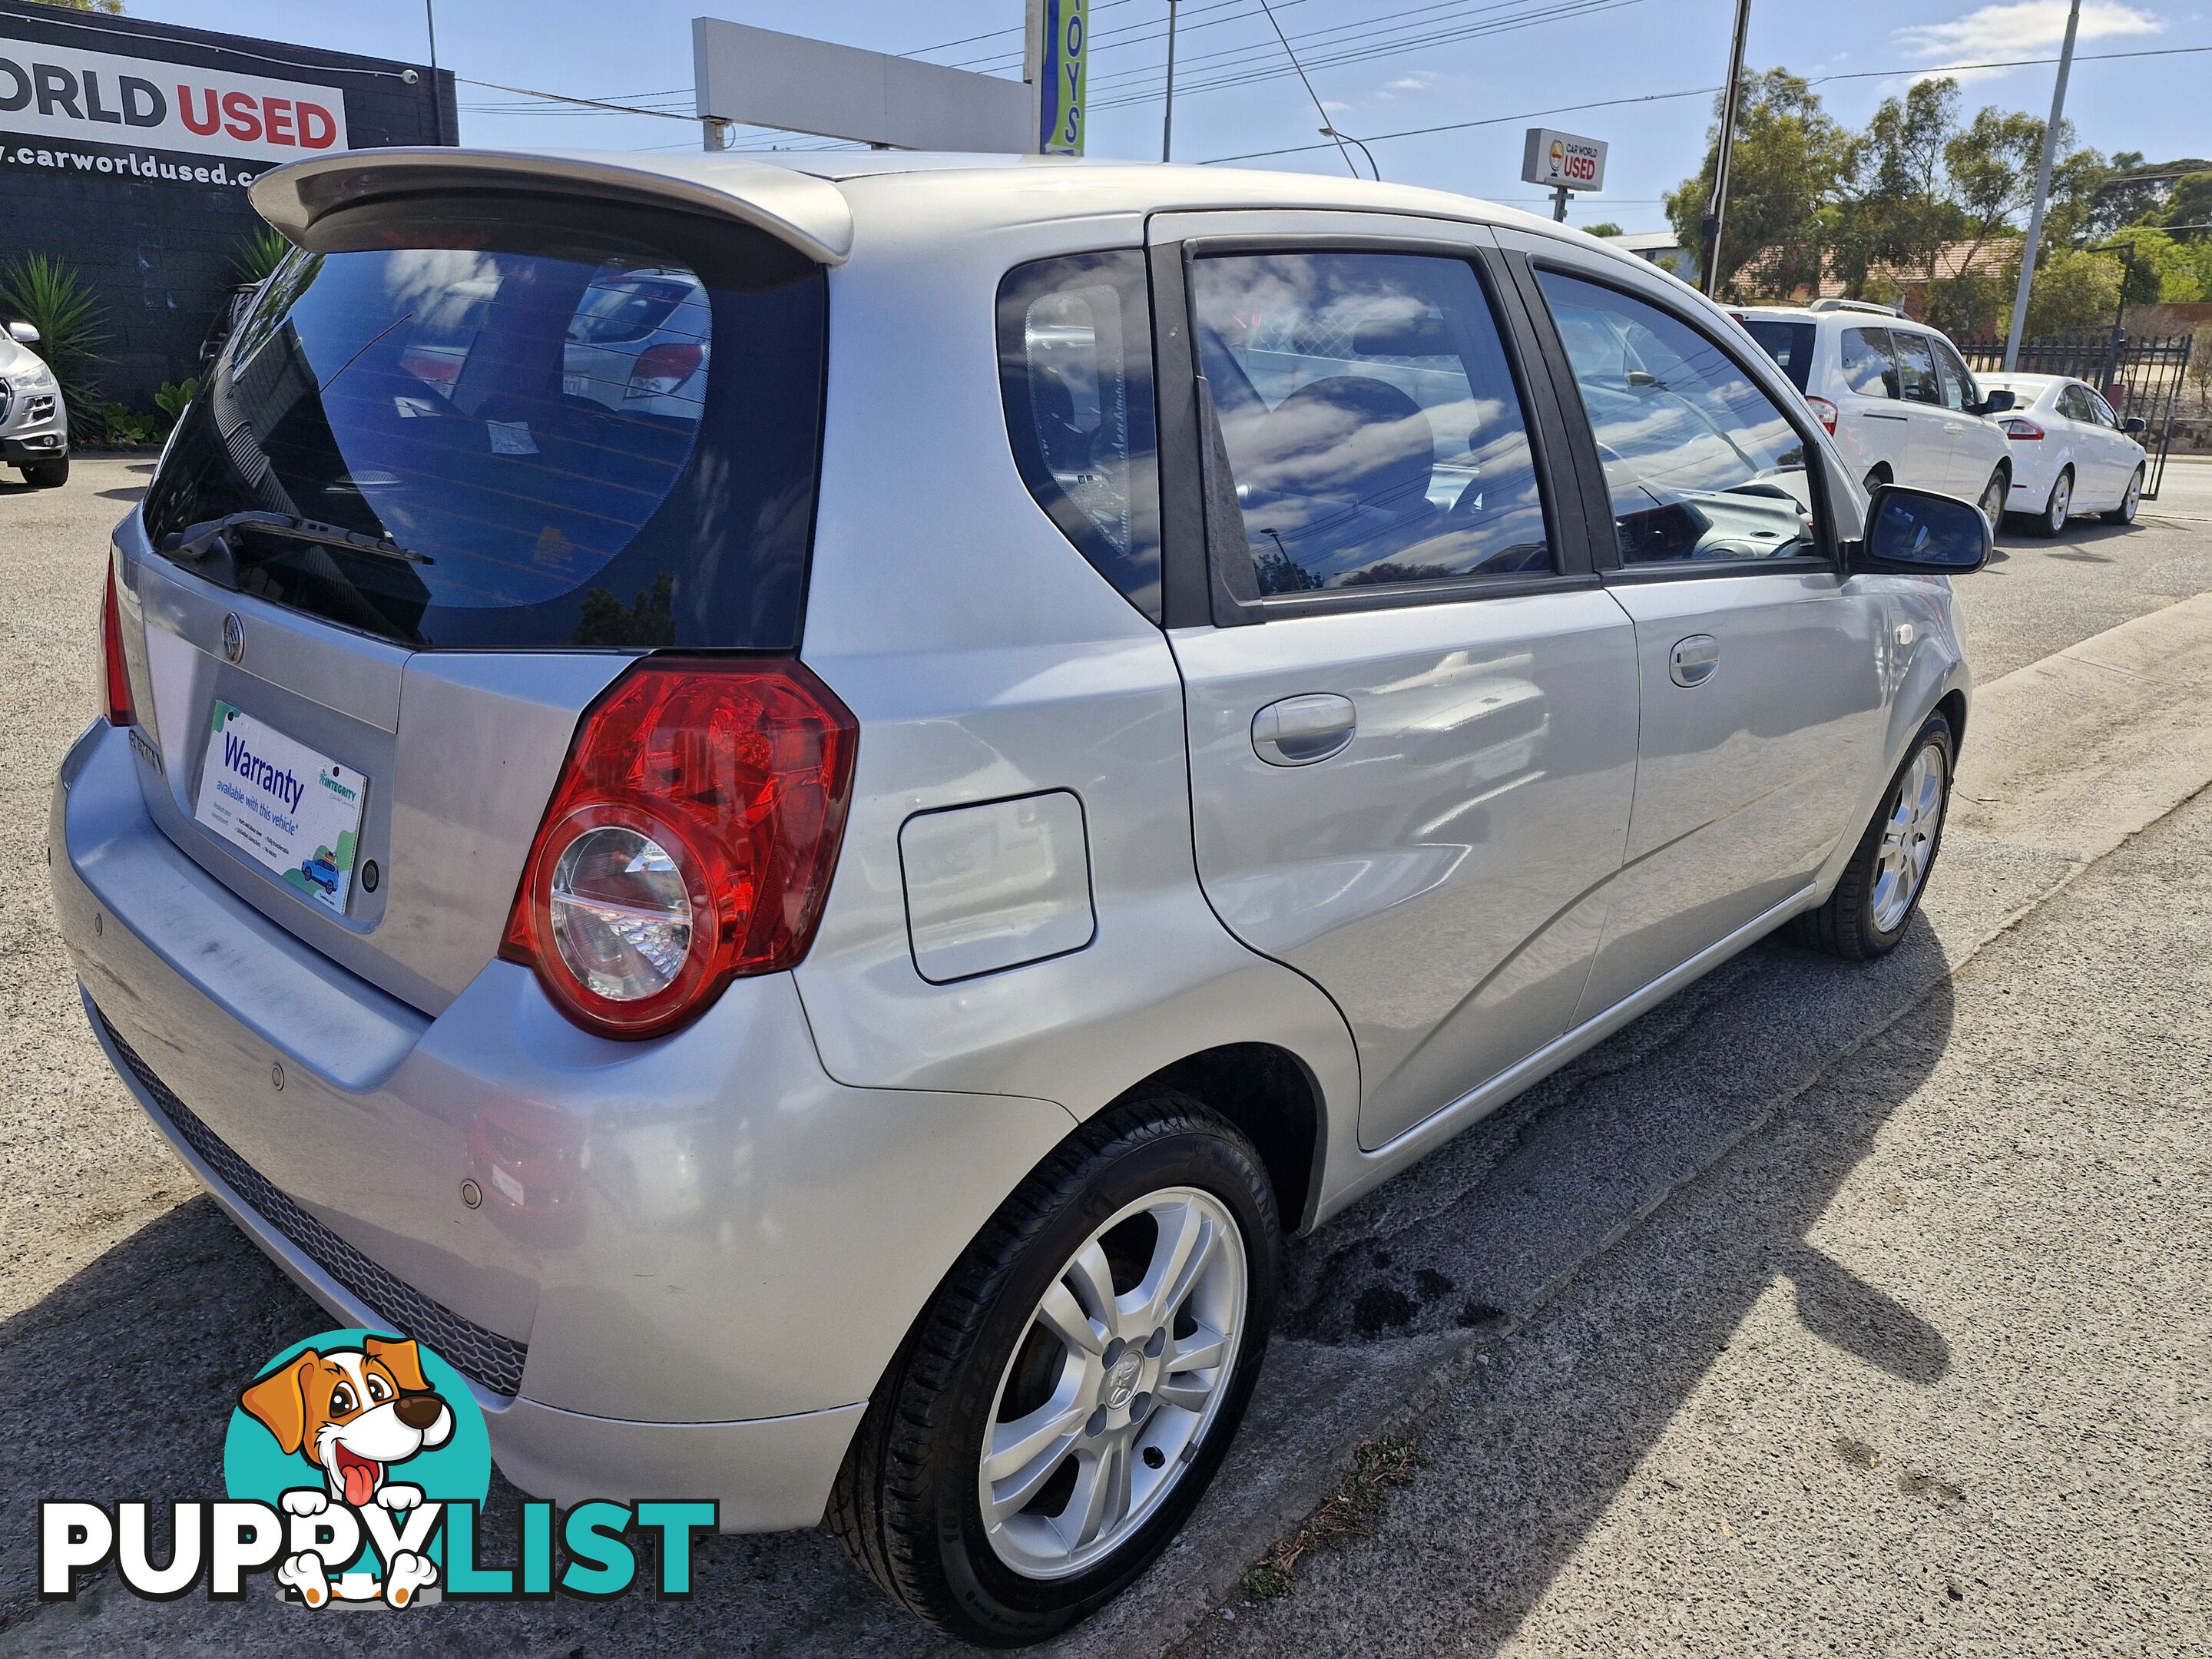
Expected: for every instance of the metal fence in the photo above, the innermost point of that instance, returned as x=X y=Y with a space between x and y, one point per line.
x=2138 y=377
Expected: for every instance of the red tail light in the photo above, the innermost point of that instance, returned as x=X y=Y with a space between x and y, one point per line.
x=115 y=672
x=660 y=369
x=690 y=841
x=2020 y=429
x=1825 y=409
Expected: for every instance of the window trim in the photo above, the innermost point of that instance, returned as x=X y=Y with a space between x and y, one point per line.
x=1794 y=410
x=1202 y=590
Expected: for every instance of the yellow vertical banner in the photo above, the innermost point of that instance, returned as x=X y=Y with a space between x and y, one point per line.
x=1062 y=71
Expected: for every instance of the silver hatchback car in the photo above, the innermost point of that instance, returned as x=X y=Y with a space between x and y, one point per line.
x=813 y=924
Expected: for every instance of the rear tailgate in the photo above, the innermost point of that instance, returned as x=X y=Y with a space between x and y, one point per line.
x=468 y=455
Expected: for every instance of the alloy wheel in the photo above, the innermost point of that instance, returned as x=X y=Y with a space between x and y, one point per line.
x=2061 y=503
x=1120 y=1374
x=2134 y=499
x=1908 y=839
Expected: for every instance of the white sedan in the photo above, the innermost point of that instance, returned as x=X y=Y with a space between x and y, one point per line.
x=2071 y=453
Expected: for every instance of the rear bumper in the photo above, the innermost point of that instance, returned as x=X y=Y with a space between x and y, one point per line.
x=687 y=1261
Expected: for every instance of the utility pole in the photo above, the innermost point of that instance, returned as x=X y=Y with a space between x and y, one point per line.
x=2042 y=193
x=1559 y=205
x=1167 y=121
x=1717 y=212
x=430 y=16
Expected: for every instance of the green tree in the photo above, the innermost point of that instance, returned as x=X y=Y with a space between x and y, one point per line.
x=1788 y=163
x=1603 y=228
x=2074 y=290
x=2191 y=204
x=113 y=8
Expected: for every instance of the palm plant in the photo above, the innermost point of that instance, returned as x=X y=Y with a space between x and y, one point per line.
x=260 y=255
x=55 y=300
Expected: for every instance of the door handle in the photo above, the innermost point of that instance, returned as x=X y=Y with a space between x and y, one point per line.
x=1691 y=662
x=1299 y=731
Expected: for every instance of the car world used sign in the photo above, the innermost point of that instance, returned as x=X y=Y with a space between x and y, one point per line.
x=1562 y=161
x=98 y=98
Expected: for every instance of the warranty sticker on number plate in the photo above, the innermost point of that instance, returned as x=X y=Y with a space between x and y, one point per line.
x=295 y=811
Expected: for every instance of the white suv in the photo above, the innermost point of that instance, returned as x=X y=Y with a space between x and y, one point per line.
x=33 y=419
x=1899 y=400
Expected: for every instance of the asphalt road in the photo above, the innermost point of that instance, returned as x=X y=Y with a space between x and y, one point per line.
x=1594 y=1285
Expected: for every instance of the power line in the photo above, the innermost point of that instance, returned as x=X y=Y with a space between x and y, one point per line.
x=1352 y=52
x=1311 y=92
x=1704 y=92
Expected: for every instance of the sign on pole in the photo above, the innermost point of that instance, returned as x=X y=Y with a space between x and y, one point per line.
x=1058 y=58
x=1560 y=160
x=763 y=78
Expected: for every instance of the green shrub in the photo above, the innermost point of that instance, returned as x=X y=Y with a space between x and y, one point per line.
x=120 y=424
x=171 y=398
x=53 y=299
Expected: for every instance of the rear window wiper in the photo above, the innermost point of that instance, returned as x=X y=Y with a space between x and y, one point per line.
x=196 y=541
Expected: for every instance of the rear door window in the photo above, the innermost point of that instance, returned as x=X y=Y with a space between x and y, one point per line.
x=542 y=426
x=1915 y=368
x=1075 y=369
x=1370 y=420
x=1702 y=464
x=1869 y=367
x=1790 y=345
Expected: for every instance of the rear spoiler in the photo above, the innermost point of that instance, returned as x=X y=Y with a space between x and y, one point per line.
x=808 y=213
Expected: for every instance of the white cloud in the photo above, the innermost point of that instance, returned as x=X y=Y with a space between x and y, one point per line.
x=1418 y=80
x=2024 y=28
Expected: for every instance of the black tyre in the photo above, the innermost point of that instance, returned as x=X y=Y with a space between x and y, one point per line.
x=2125 y=512
x=1879 y=475
x=1881 y=887
x=46 y=475
x=2058 y=505
x=1058 y=1408
x=1994 y=494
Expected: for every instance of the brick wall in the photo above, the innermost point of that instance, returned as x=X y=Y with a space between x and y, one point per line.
x=161 y=255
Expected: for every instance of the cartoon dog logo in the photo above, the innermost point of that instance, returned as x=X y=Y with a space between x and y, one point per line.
x=353 y=1413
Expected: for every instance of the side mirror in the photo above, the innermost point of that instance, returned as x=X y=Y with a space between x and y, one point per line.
x=22 y=334
x=1918 y=532
x=1996 y=403
x=2134 y=424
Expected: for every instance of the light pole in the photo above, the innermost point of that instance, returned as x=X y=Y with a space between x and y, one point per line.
x=1346 y=139
x=2042 y=194
x=1167 y=121
x=1716 y=211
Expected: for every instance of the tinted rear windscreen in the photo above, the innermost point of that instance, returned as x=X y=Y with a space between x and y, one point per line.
x=1790 y=344
x=591 y=426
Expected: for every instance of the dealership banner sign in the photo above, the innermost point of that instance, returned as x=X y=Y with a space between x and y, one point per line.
x=96 y=97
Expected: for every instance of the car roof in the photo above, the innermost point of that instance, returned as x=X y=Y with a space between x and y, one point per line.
x=825 y=204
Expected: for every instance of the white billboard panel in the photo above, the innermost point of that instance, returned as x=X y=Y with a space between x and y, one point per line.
x=100 y=96
x=1562 y=161
x=762 y=78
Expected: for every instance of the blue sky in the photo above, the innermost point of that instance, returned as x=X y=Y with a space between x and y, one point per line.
x=1509 y=59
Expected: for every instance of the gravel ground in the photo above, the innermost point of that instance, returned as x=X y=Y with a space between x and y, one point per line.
x=128 y=1306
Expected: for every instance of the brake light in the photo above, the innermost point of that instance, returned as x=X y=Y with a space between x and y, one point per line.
x=1825 y=409
x=661 y=369
x=2018 y=429
x=115 y=671
x=689 y=841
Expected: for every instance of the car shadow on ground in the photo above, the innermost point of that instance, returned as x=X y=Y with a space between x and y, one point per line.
x=120 y=1383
